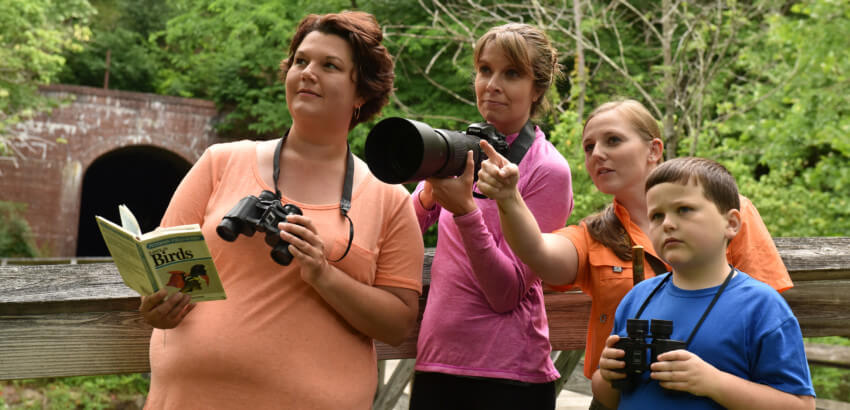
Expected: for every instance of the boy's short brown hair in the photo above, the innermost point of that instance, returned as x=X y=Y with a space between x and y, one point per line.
x=718 y=184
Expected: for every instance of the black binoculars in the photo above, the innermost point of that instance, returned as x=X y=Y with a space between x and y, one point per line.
x=636 y=347
x=399 y=150
x=261 y=213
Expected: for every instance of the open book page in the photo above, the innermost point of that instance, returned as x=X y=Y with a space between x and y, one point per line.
x=128 y=220
x=128 y=257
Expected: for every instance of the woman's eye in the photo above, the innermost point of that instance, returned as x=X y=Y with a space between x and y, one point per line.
x=484 y=69
x=656 y=216
x=588 y=148
x=300 y=61
x=331 y=65
x=614 y=139
x=685 y=209
x=512 y=74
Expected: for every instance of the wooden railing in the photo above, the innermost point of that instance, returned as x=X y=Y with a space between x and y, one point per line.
x=80 y=319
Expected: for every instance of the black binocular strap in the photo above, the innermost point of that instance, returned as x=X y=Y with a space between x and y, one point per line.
x=347 y=187
x=707 y=309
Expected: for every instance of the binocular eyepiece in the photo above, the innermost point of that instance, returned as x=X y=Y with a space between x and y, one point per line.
x=261 y=213
x=635 y=346
x=400 y=150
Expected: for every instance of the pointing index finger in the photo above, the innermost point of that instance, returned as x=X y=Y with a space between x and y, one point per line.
x=492 y=155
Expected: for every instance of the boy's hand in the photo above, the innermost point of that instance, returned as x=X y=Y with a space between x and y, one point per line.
x=498 y=177
x=685 y=371
x=612 y=360
x=165 y=314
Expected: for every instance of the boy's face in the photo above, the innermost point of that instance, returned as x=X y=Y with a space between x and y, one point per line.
x=687 y=229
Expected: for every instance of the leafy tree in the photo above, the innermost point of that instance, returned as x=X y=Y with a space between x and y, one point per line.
x=15 y=235
x=229 y=51
x=33 y=36
x=786 y=134
x=119 y=45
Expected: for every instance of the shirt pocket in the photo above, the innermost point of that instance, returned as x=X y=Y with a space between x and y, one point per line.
x=359 y=263
x=612 y=279
x=608 y=267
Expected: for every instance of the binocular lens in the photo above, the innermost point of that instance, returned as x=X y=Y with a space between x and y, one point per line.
x=227 y=230
x=281 y=254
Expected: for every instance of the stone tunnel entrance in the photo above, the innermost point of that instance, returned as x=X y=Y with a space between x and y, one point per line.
x=141 y=177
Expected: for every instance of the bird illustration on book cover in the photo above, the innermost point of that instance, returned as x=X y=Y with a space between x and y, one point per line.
x=191 y=281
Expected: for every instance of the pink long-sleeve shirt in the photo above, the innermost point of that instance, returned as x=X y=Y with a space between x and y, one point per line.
x=485 y=315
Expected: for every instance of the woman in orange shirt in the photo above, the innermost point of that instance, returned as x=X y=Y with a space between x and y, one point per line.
x=296 y=331
x=622 y=144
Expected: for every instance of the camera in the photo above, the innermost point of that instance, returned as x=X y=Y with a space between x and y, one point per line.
x=400 y=150
x=636 y=347
x=263 y=214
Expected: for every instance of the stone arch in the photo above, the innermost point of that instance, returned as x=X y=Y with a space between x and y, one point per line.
x=142 y=177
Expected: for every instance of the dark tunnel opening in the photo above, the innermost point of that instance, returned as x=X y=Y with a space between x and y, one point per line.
x=143 y=178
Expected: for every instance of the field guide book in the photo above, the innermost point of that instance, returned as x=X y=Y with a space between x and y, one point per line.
x=175 y=258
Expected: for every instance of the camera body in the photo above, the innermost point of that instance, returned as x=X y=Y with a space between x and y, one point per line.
x=263 y=214
x=400 y=150
x=636 y=348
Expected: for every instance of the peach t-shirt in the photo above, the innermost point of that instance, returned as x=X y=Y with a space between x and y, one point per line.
x=607 y=278
x=274 y=342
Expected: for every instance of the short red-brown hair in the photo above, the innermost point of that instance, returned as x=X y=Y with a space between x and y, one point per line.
x=374 y=74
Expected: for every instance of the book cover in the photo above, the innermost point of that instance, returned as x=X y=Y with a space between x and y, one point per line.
x=176 y=258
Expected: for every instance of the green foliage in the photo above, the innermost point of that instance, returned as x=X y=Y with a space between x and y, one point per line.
x=15 y=235
x=786 y=134
x=759 y=86
x=831 y=383
x=121 y=30
x=566 y=137
x=33 y=36
x=84 y=392
x=229 y=51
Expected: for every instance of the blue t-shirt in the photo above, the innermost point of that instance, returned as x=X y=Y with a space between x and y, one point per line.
x=750 y=332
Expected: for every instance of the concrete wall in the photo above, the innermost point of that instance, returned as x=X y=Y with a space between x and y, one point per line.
x=48 y=174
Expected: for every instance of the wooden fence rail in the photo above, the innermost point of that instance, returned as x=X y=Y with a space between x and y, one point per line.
x=70 y=320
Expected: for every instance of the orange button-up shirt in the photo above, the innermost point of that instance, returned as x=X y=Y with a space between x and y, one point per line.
x=607 y=278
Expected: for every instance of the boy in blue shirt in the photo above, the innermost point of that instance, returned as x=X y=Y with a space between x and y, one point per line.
x=736 y=343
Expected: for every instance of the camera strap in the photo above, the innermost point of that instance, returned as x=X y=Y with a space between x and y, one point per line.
x=522 y=143
x=707 y=309
x=517 y=149
x=347 y=187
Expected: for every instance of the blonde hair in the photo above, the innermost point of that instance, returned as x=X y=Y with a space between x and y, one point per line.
x=637 y=116
x=604 y=226
x=516 y=40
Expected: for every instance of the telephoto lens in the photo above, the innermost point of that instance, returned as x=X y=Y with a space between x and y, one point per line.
x=399 y=150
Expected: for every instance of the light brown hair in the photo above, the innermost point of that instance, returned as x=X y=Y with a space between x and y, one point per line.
x=530 y=51
x=604 y=226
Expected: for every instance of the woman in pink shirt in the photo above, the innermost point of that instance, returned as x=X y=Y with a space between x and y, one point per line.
x=484 y=338
x=296 y=333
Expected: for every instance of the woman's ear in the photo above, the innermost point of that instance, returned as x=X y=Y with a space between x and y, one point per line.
x=656 y=150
